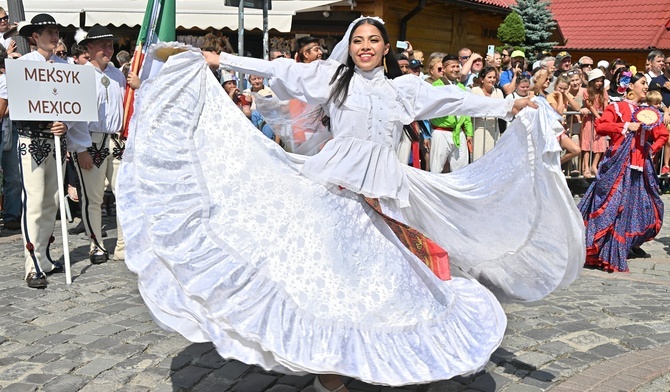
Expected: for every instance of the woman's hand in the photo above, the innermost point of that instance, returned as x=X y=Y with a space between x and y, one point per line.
x=133 y=81
x=212 y=59
x=633 y=127
x=521 y=103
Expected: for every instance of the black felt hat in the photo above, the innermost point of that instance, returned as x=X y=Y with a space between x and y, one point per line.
x=97 y=32
x=39 y=20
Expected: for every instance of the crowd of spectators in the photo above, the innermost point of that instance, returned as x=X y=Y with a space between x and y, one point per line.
x=578 y=90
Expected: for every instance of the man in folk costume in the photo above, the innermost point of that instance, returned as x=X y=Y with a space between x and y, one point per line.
x=452 y=135
x=38 y=162
x=101 y=160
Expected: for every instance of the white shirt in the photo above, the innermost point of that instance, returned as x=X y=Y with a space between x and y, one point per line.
x=3 y=95
x=110 y=99
x=5 y=41
x=368 y=127
x=78 y=138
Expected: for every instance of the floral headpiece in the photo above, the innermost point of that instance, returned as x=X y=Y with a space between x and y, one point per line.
x=624 y=81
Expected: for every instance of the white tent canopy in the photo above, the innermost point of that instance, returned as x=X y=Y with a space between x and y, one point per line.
x=200 y=14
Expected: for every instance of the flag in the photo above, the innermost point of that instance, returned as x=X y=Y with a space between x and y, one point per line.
x=158 y=26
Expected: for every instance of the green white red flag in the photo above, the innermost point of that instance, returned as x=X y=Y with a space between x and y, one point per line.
x=159 y=25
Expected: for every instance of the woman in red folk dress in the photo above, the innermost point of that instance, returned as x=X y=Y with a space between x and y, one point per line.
x=622 y=209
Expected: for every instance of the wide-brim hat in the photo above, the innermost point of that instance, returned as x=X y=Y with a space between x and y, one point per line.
x=39 y=20
x=595 y=74
x=97 y=32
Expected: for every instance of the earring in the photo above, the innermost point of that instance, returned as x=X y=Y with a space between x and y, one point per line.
x=385 y=69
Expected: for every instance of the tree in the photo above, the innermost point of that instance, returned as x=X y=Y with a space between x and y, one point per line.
x=511 y=31
x=538 y=22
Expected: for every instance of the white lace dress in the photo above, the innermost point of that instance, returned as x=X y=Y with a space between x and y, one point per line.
x=239 y=243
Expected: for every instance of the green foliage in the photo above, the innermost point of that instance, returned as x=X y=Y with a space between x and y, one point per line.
x=511 y=31
x=538 y=22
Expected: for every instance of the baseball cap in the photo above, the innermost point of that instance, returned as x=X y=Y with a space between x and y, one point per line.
x=518 y=53
x=414 y=64
x=562 y=55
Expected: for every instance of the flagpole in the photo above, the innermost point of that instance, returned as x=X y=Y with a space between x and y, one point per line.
x=240 y=41
x=61 y=204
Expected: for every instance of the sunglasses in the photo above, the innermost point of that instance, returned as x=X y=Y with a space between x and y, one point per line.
x=61 y=53
x=570 y=73
x=586 y=66
x=439 y=69
x=504 y=55
x=4 y=18
x=464 y=57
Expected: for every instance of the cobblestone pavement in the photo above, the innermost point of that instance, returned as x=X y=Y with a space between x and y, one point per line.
x=96 y=335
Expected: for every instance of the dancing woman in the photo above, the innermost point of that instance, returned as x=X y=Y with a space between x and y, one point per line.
x=622 y=209
x=303 y=264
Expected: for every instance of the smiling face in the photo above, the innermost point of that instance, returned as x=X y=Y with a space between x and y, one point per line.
x=367 y=47
x=101 y=52
x=451 y=69
x=640 y=88
x=489 y=80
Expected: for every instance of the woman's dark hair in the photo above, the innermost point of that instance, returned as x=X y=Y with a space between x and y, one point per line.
x=345 y=72
x=634 y=79
x=301 y=43
x=488 y=69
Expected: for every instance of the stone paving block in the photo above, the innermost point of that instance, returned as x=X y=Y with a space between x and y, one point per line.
x=55 y=339
x=282 y=388
x=543 y=334
x=232 y=370
x=133 y=388
x=103 y=344
x=607 y=350
x=44 y=358
x=39 y=378
x=28 y=352
x=211 y=360
x=150 y=377
x=114 y=376
x=637 y=330
x=124 y=350
x=361 y=386
x=97 y=366
x=213 y=383
x=31 y=336
x=138 y=362
x=576 y=326
x=532 y=360
x=555 y=349
x=584 y=340
x=65 y=383
x=19 y=387
x=190 y=375
x=62 y=366
x=16 y=371
x=522 y=388
x=490 y=382
x=107 y=330
x=63 y=348
x=254 y=382
x=298 y=382
x=637 y=343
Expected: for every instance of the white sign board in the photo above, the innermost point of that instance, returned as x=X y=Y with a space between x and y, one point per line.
x=42 y=91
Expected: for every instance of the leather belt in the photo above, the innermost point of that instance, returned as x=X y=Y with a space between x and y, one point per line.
x=443 y=129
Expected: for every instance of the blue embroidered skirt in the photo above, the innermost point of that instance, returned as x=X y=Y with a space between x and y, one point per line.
x=621 y=209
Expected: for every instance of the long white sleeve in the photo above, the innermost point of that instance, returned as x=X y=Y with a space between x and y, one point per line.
x=288 y=79
x=78 y=137
x=437 y=101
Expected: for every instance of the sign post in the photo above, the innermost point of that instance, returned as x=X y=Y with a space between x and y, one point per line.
x=42 y=91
